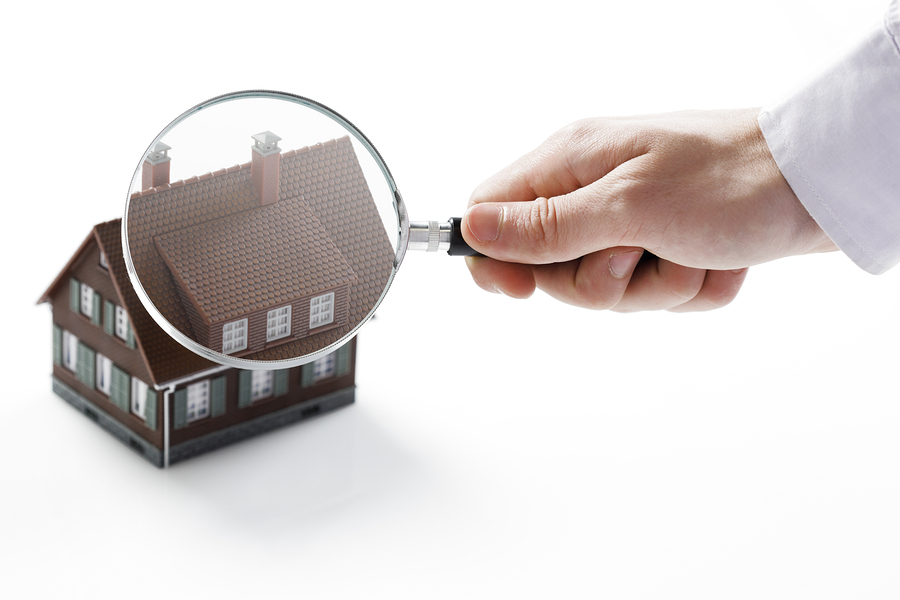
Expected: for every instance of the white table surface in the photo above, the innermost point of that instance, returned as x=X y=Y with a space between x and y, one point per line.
x=498 y=448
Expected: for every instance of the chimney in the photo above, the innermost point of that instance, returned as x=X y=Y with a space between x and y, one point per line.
x=156 y=167
x=265 y=167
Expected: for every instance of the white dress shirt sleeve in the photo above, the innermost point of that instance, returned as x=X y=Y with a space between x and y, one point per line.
x=837 y=142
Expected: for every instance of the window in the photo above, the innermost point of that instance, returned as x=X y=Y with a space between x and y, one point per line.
x=104 y=374
x=321 y=310
x=278 y=323
x=87 y=300
x=138 y=397
x=260 y=385
x=323 y=368
x=103 y=262
x=197 y=401
x=70 y=351
x=121 y=323
x=234 y=336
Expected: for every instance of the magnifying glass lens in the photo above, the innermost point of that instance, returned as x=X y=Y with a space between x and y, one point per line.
x=261 y=227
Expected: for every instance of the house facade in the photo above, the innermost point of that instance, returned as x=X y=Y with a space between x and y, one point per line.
x=117 y=366
x=101 y=367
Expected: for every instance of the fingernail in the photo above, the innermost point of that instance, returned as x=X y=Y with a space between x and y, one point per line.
x=484 y=221
x=621 y=265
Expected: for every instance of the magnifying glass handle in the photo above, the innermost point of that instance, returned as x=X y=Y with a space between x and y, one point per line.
x=431 y=236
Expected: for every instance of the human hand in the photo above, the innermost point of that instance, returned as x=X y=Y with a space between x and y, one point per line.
x=700 y=190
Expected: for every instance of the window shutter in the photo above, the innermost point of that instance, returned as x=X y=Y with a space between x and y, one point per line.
x=342 y=360
x=307 y=375
x=75 y=295
x=281 y=382
x=57 y=345
x=217 y=396
x=84 y=367
x=120 y=388
x=150 y=409
x=130 y=341
x=180 y=408
x=245 y=382
x=95 y=309
x=109 y=317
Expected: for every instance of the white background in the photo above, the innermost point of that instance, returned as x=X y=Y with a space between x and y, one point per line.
x=498 y=448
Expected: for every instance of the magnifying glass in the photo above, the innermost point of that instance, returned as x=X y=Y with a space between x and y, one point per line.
x=262 y=230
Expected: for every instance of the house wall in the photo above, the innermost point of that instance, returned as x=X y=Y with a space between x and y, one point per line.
x=235 y=414
x=87 y=270
x=200 y=330
x=256 y=322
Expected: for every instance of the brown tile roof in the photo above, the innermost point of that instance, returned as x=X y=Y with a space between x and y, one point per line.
x=254 y=259
x=326 y=178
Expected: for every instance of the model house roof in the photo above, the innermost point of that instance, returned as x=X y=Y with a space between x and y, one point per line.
x=253 y=259
x=324 y=224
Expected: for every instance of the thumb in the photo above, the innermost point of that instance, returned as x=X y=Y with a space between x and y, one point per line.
x=540 y=231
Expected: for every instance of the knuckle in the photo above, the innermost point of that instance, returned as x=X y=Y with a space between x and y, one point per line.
x=543 y=227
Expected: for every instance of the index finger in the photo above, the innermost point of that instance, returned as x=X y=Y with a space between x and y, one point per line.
x=573 y=157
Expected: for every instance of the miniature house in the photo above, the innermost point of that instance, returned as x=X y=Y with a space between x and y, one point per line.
x=318 y=277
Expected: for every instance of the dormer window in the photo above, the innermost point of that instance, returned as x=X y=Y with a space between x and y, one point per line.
x=278 y=323
x=103 y=262
x=321 y=310
x=234 y=336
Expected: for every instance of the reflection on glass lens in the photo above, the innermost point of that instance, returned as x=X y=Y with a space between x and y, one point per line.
x=258 y=229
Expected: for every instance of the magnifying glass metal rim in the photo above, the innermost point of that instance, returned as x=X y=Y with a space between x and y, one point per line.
x=243 y=363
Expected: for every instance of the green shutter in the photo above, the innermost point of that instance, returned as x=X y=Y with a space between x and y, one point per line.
x=57 y=345
x=120 y=388
x=109 y=317
x=95 y=309
x=84 y=367
x=181 y=408
x=307 y=375
x=75 y=295
x=217 y=396
x=150 y=409
x=342 y=360
x=130 y=341
x=245 y=381
x=281 y=382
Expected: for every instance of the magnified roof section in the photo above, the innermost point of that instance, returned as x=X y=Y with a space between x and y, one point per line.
x=268 y=260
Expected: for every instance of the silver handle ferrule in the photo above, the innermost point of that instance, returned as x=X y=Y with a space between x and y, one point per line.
x=429 y=236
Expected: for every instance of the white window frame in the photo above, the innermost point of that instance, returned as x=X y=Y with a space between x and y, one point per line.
x=87 y=300
x=321 y=310
x=278 y=323
x=139 y=397
x=103 y=262
x=70 y=351
x=324 y=367
x=104 y=374
x=121 y=323
x=234 y=336
x=198 y=401
x=262 y=385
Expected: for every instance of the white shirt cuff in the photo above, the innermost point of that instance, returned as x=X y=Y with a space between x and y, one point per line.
x=837 y=142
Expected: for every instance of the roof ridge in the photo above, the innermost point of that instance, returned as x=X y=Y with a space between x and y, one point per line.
x=190 y=180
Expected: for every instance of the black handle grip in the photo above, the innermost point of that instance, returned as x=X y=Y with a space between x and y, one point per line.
x=458 y=246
